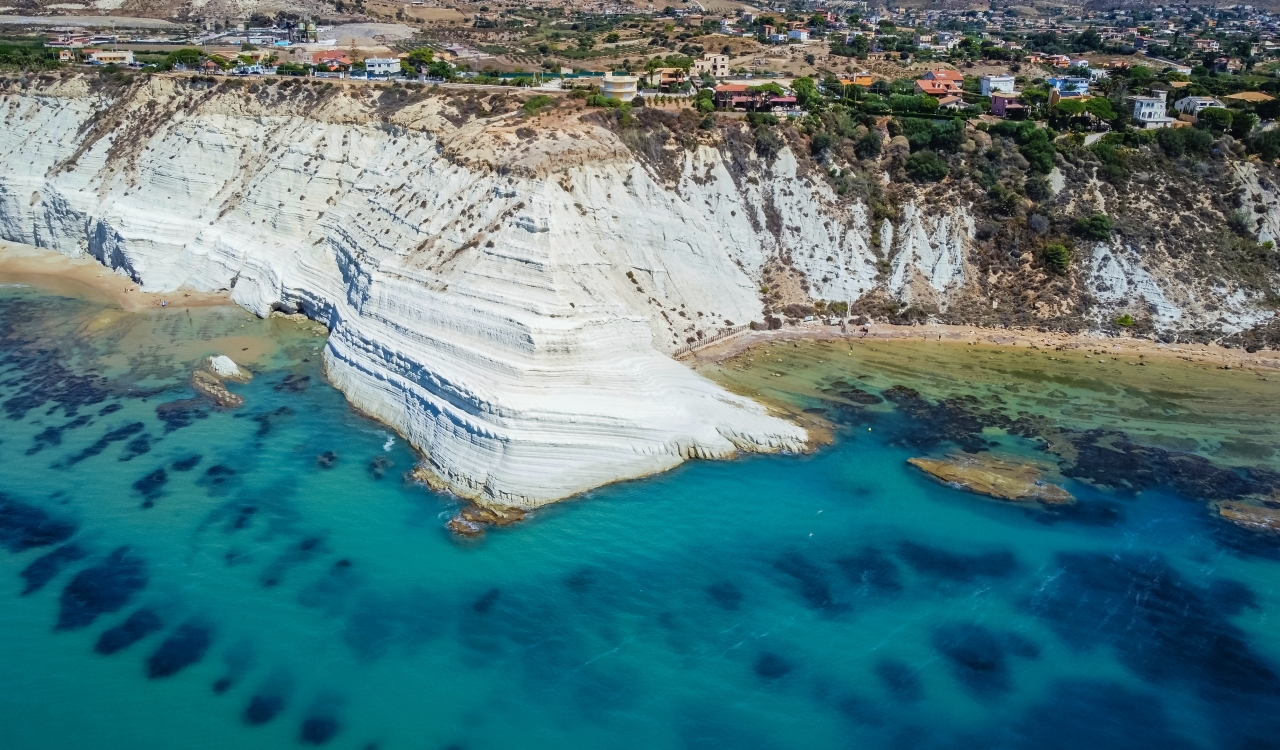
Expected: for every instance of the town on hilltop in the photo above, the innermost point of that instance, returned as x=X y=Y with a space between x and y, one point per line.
x=1093 y=72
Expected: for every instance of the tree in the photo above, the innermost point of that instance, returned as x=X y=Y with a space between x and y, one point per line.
x=612 y=38
x=810 y=59
x=416 y=60
x=1216 y=119
x=1072 y=107
x=926 y=166
x=1243 y=123
x=806 y=90
x=1100 y=108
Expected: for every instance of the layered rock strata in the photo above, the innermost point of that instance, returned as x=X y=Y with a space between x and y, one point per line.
x=512 y=320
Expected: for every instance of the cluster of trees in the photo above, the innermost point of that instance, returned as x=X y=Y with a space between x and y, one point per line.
x=422 y=60
x=28 y=56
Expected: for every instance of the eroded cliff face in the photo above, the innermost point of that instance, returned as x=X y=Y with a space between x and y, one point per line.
x=504 y=289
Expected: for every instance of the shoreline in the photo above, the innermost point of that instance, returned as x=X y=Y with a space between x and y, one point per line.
x=51 y=271
x=732 y=346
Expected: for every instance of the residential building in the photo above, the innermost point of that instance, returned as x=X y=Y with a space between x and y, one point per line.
x=1205 y=45
x=382 y=66
x=1069 y=86
x=1006 y=105
x=1252 y=97
x=108 y=57
x=1151 y=111
x=923 y=40
x=1192 y=105
x=331 y=58
x=951 y=101
x=716 y=66
x=620 y=87
x=990 y=84
x=66 y=56
x=74 y=41
x=863 y=79
x=954 y=76
x=799 y=35
x=936 y=88
x=666 y=78
x=739 y=96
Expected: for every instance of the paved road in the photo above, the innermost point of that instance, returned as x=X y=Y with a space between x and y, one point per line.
x=119 y=22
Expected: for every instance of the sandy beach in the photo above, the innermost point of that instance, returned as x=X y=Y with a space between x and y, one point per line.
x=1028 y=338
x=85 y=277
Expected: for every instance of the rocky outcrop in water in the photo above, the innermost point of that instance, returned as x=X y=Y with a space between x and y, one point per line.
x=1263 y=516
x=994 y=477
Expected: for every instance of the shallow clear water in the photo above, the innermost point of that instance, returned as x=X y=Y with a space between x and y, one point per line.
x=261 y=596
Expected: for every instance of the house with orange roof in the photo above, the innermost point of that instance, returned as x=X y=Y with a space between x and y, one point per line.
x=331 y=59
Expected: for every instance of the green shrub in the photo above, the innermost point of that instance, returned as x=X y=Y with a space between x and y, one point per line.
x=926 y=166
x=821 y=142
x=1266 y=144
x=1094 y=227
x=1056 y=256
x=1125 y=320
x=868 y=146
x=536 y=103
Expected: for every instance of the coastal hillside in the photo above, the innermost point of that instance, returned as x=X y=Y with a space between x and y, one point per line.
x=506 y=276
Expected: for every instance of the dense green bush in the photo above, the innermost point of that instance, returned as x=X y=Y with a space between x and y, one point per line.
x=869 y=145
x=1035 y=144
x=1178 y=141
x=926 y=166
x=1056 y=256
x=1094 y=227
x=925 y=134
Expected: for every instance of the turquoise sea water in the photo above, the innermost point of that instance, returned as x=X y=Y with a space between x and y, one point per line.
x=178 y=576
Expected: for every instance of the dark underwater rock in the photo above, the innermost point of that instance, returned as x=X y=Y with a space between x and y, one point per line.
x=957 y=566
x=139 y=625
x=262 y=708
x=188 y=463
x=24 y=527
x=1161 y=626
x=978 y=658
x=771 y=666
x=900 y=680
x=725 y=594
x=873 y=569
x=183 y=413
x=102 y=589
x=811 y=582
x=101 y=444
x=44 y=568
x=151 y=485
x=184 y=647
x=317 y=730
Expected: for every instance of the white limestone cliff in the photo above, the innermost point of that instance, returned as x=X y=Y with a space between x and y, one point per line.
x=484 y=311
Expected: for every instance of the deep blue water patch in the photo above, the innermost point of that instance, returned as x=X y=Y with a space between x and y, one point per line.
x=46 y=567
x=184 y=647
x=136 y=626
x=101 y=589
x=24 y=527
